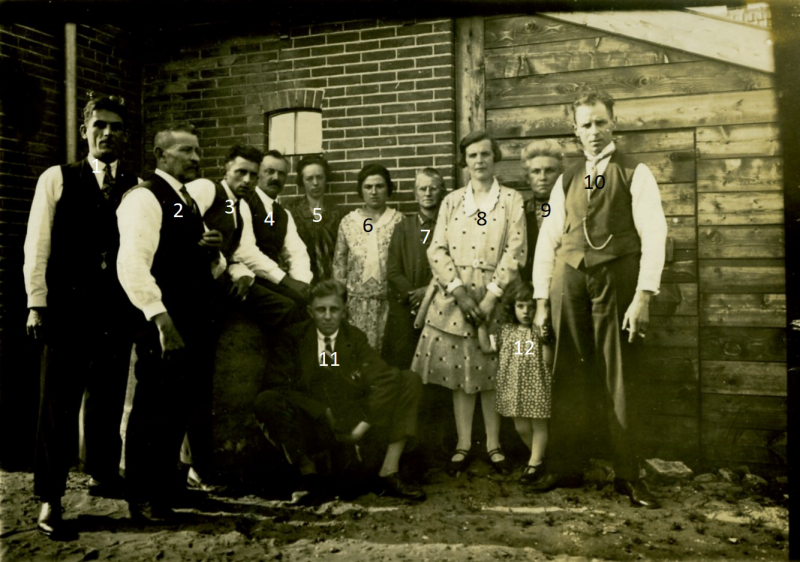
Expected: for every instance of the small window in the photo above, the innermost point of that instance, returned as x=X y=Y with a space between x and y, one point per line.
x=296 y=132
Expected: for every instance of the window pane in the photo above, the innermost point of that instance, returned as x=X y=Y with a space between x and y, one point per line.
x=309 y=132
x=282 y=133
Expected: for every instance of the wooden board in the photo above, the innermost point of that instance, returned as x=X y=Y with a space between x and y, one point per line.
x=740 y=174
x=674 y=112
x=683 y=232
x=682 y=268
x=677 y=198
x=744 y=377
x=669 y=438
x=735 y=445
x=470 y=81
x=736 y=141
x=666 y=367
x=578 y=55
x=675 y=299
x=627 y=141
x=740 y=208
x=741 y=242
x=751 y=412
x=529 y=86
x=746 y=310
x=675 y=399
x=719 y=39
x=742 y=344
x=742 y=276
x=673 y=331
x=530 y=30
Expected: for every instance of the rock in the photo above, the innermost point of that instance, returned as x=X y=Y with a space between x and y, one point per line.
x=728 y=475
x=741 y=470
x=667 y=470
x=705 y=477
x=91 y=554
x=695 y=500
x=753 y=482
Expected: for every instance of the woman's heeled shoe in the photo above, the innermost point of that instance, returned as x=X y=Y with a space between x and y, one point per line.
x=455 y=467
x=531 y=474
x=502 y=467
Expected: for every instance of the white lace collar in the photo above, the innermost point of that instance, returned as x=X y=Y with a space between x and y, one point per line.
x=471 y=207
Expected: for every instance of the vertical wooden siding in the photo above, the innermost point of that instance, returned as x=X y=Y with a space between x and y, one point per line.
x=715 y=386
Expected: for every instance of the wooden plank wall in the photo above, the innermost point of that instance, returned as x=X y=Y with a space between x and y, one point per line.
x=707 y=129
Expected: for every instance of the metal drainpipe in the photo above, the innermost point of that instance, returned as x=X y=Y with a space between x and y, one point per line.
x=71 y=93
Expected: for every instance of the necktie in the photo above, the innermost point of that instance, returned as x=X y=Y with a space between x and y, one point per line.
x=108 y=183
x=593 y=162
x=189 y=201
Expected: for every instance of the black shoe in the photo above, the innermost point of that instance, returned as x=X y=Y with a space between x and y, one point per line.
x=455 y=467
x=502 y=467
x=50 y=522
x=112 y=488
x=638 y=492
x=196 y=484
x=394 y=486
x=532 y=474
x=151 y=513
x=309 y=492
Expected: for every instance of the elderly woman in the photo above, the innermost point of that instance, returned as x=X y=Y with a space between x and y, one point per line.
x=317 y=220
x=543 y=162
x=362 y=248
x=476 y=250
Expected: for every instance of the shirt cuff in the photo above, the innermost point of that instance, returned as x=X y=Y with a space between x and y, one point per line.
x=647 y=286
x=495 y=290
x=276 y=277
x=454 y=284
x=153 y=309
x=37 y=302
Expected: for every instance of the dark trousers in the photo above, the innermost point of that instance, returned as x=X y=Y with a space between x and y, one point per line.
x=595 y=366
x=169 y=394
x=400 y=338
x=273 y=312
x=286 y=292
x=73 y=360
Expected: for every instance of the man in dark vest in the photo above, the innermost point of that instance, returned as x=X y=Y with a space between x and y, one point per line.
x=166 y=264
x=79 y=311
x=598 y=260
x=276 y=233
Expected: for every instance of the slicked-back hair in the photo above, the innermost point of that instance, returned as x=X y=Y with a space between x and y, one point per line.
x=163 y=136
x=472 y=138
x=310 y=161
x=431 y=173
x=542 y=148
x=327 y=288
x=375 y=170
x=249 y=153
x=591 y=98
x=115 y=104
x=275 y=154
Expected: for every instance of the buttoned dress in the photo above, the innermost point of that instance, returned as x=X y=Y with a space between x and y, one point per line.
x=480 y=257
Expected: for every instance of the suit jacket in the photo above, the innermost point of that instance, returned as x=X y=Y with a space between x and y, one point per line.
x=362 y=388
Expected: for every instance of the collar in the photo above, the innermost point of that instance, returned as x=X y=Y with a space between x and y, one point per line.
x=172 y=181
x=423 y=220
x=387 y=216
x=100 y=165
x=321 y=337
x=606 y=153
x=471 y=207
x=228 y=190
x=266 y=199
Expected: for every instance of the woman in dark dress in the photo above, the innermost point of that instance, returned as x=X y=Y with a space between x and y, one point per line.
x=317 y=219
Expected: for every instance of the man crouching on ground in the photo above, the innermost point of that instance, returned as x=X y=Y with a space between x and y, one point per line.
x=344 y=398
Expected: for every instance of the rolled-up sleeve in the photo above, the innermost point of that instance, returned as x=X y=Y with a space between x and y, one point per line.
x=651 y=224
x=544 y=259
x=139 y=219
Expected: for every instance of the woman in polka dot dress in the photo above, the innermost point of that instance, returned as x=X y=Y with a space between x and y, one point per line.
x=475 y=251
x=524 y=380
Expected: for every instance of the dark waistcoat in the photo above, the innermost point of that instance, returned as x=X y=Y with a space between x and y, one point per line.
x=269 y=237
x=608 y=215
x=85 y=240
x=219 y=217
x=182 y=268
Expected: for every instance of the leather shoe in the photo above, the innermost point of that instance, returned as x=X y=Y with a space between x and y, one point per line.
x=502 y=467
x=454 y=468
x=638 y=492
x=113 y=488
x=50 y=521
x=552 y=480
x=394 y=486
x=194 y=482
x=149 y=512
x=532 y=474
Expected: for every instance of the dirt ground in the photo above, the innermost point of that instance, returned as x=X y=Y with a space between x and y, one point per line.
x=476 y=517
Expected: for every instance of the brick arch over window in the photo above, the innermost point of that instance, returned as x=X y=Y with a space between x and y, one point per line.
x=292 y=99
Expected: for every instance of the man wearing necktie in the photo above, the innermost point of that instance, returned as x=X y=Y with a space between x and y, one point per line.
x=79 y=312
x=598 y=262
x=167 y=263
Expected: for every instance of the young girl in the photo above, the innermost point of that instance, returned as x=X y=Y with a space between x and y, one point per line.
x=524 y=378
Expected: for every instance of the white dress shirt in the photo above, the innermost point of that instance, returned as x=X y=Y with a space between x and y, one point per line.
x=48 y=192
x=293 y=247
x=321 y=341
x=648 y=218
x=139 y=217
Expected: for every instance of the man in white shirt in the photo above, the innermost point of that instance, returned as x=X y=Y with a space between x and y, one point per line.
x=599 y=259
x=276 y=233
x=166 y=266
x=79 y=311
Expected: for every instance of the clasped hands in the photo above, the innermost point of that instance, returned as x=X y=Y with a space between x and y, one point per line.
x=476 y=314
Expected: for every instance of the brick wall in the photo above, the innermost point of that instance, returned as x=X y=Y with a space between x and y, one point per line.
x=388 y=94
